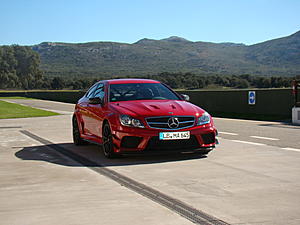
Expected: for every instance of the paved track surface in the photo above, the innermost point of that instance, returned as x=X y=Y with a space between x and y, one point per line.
x=251 y=178
x=278 y=134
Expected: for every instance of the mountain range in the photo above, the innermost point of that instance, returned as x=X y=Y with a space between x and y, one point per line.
x=174 y=54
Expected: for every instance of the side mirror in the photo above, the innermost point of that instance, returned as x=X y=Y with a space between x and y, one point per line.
x=95 y=101
x=185 y=97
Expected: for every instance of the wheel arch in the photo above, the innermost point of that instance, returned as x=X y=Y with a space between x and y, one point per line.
x=112 y=120
x=79 y=120
x=105 y=121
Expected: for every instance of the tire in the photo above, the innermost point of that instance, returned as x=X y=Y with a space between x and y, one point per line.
x=108 y=146
x=77 y=140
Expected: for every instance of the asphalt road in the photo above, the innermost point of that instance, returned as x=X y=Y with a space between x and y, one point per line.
x=280 y=134
x=252 y=177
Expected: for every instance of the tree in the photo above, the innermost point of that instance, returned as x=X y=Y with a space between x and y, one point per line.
x=20 y=65
x=242 y=83
x=57 y=83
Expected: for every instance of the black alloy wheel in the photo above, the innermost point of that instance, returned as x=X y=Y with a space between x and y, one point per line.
x=108 y=146
x=77 y=140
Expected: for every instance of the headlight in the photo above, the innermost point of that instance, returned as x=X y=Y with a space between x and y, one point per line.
x=204 y=119
x=130 y=122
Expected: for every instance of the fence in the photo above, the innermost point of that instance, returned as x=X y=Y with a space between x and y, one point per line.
x=275 y=103
x=269 y=102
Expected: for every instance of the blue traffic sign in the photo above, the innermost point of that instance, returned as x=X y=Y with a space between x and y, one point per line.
x=251 y=98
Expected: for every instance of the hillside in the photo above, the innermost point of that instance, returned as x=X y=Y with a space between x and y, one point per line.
x=275 y=57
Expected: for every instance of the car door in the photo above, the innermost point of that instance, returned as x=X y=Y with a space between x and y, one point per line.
x=85 y=111
x=96 y=112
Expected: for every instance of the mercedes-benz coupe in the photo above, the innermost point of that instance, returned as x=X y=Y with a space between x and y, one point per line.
x=139 y=116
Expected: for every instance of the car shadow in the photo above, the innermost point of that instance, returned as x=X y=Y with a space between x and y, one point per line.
x=67 y=154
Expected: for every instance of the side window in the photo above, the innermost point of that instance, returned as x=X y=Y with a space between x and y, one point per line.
x=99 y=92
x=91 y=91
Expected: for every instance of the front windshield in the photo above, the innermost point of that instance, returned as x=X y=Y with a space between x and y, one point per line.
x=140 y=91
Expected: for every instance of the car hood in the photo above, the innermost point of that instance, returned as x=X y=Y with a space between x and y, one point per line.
x=147 y=108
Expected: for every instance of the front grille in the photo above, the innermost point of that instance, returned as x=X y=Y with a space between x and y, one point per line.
x=185 y=144
x=209 y=138
x=163 y=122
x=130 y=142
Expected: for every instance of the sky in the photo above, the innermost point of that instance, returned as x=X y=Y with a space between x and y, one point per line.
x=29 y=22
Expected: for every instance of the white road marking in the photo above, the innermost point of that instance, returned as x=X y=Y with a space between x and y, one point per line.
x=261 y=144
x=248 y=142
x=265 y=138
x=291 y=149
x=234 y=134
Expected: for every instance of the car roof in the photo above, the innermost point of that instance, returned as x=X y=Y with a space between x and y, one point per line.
x=126 y=81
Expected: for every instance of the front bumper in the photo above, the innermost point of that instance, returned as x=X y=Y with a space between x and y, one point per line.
x=135 y=140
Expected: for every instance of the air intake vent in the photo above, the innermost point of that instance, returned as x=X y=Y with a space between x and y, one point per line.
x=155 y=144
x=130 y=142
x=208 y=138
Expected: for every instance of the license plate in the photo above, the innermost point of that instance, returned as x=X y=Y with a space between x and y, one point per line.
x=174 y=135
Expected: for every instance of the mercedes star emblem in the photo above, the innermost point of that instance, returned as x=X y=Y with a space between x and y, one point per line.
x=173 y=122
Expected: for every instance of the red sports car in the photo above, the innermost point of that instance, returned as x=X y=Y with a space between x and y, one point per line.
x=139 y=115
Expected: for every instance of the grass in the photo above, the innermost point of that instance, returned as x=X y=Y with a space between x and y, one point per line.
x=11 y=110
x=17 y=97
x=37 y=90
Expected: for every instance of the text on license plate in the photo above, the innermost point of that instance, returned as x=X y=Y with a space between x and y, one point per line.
x=174 y=135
